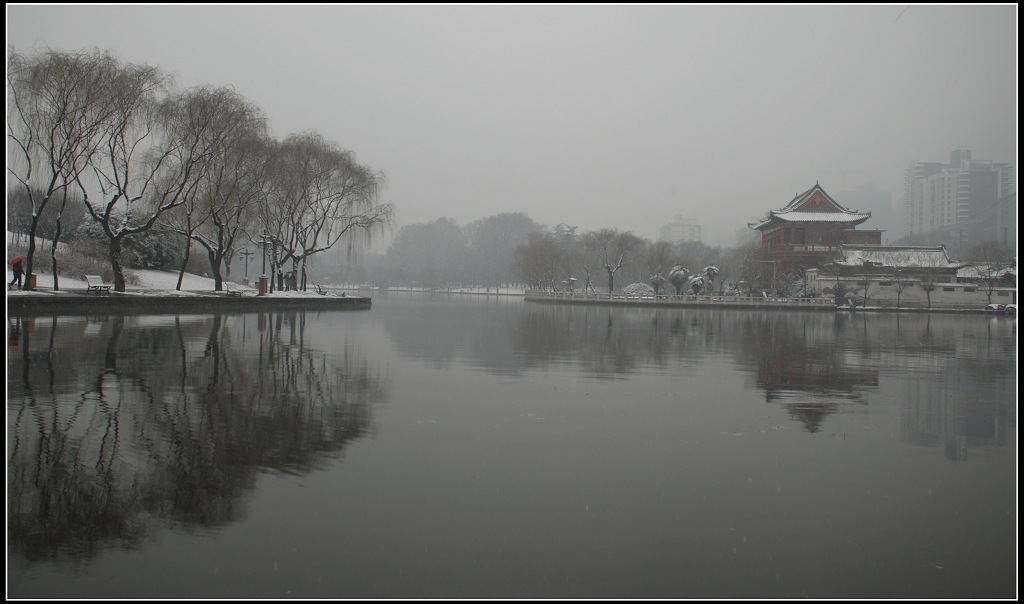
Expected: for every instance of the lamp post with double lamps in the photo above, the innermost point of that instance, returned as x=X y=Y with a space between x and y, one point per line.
x=246 y=254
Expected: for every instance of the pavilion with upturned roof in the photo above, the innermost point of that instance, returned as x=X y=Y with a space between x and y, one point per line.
x=809 y=230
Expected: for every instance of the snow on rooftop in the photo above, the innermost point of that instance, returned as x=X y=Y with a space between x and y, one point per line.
x=908 y=256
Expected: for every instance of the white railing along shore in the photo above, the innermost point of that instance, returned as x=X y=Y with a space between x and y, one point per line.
x=678 y=299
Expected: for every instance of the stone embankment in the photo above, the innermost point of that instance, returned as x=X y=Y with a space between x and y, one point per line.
x=69 y=302
x=692 y=301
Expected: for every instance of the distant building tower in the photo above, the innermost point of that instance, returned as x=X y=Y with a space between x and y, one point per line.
x=940 y=195
x=680 y=230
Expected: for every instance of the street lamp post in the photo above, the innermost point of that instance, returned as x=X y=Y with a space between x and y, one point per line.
x=263 y=246
x=263 y=277
x=245 y=254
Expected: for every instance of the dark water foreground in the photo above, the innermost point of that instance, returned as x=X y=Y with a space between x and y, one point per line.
x=455 y=447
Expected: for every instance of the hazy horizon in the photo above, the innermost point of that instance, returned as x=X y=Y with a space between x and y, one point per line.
x=594 y=115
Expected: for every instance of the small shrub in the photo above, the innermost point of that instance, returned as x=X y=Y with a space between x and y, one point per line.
x=638 y=289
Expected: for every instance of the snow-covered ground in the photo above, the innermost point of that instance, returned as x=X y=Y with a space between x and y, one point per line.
x=163 y=283
x=150 y=283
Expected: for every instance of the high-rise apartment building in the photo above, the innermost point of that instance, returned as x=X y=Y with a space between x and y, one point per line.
x=938 y=195
x=680 y=230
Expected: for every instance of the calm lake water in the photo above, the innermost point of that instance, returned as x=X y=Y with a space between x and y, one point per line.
x=480 y=447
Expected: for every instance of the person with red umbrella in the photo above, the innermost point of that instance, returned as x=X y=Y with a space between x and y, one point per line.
x=17 y=265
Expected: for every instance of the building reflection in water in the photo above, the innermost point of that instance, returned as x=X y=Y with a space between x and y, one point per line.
x=954 y=381
x=814 y=364
x=804 y=362
x=964 y=397
x=121 y=425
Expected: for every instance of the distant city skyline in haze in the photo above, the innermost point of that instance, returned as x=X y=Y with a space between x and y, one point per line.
x=597 y=116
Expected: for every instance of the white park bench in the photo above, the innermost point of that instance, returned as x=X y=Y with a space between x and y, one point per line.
x=95 y=284
x=231 y=288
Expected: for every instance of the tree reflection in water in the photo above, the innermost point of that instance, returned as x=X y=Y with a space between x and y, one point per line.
x=121 y=425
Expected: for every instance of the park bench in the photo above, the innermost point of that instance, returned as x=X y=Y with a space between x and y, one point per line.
x=323 y=291
x=231 y=288
x=95 y=284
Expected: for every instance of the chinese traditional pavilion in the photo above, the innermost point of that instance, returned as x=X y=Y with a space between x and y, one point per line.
x=807 y=232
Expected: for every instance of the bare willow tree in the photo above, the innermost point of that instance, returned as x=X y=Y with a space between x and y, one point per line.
x=537 y=260
x=231 y=137
x=236 y=191
x=140 y=170
x=658 y=257
x=322 y=196
x=58 y=104
x=493 y=242
x=750 y=260
x=612 y=248
x=565 y=237
x=579 y=260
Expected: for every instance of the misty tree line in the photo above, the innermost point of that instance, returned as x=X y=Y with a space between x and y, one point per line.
x=510 y=249
x=563 y=260
x=115 y=149
x=443 y=254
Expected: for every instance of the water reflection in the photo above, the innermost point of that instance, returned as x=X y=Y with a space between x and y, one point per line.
x=965 y=388
x=613 y=342
x=526 y=451
x=451 y=329
x=510 y=338
x=812 y=364
x=800 y=360
x=119 y=425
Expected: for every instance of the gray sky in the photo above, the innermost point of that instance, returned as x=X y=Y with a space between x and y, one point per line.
x=597 y=116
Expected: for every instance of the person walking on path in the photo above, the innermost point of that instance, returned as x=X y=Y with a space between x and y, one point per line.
x=17 y=265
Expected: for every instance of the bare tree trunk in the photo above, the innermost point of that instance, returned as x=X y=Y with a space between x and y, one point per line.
x=56 y=240
x=115 y=264
x=184 y=263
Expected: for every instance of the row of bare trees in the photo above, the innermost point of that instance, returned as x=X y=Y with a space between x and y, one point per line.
x=201 y=162
x=559 y=259
x=547 y=259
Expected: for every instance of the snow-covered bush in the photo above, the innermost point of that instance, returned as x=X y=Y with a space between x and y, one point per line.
x=638 y=289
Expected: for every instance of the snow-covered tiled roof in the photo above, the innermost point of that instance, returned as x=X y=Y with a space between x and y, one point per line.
x=813 y=198
x=822 y=217
x=985 y=271
x=897 y=256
